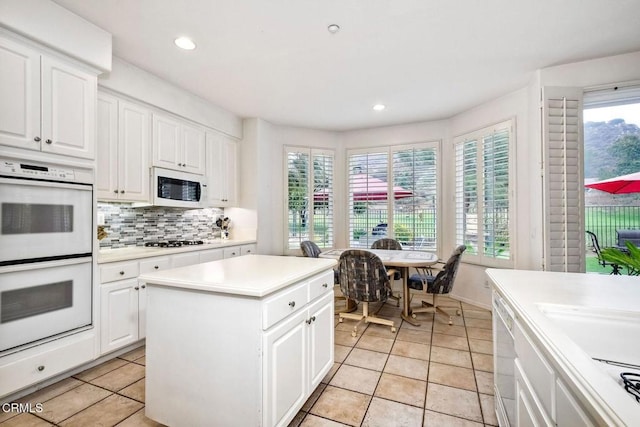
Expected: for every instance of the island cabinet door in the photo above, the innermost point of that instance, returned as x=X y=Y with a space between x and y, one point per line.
x=320 y=339
x=285 y=370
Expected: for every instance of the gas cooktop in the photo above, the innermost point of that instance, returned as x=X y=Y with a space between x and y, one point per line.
x=173 y=243
x=625 y=374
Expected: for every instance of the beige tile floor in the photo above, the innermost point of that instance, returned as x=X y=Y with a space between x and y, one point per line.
x=431 y=375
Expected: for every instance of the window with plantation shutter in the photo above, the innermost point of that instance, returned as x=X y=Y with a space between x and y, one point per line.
x=563 y=183
x=393 y=192
x=309 y=201
x=482 y=194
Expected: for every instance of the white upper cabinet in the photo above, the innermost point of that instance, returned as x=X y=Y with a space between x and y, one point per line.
x=222 y=170
x=123 y=150
x=178 y=145
x=46 y=104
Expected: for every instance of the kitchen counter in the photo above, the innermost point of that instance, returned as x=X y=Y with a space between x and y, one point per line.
x=251 y=275
x=135 y=252
x=575 y=318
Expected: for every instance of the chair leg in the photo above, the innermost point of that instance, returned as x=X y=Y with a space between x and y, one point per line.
x=433 y=308
x=373 y=319
x=355 y=316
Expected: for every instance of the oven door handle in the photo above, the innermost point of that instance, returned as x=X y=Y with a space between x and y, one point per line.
x=45 y=264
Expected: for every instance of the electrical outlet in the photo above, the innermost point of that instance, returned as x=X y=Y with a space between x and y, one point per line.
x=100 y=218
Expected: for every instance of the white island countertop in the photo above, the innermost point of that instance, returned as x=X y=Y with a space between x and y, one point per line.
x=578 y=317
x=249 y=275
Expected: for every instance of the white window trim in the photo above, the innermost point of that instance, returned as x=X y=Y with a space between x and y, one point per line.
x=310 y=151
x=389 y=150
x=481 y=259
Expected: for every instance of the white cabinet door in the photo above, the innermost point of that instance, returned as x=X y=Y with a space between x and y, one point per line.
x=68 y=109
x=285 y=370
x=133 y=152
x=222 y=170
x=142 y=311
x=107 y=147
x=320 y=334
x=123 y=131
x=20 y=99
x=118 y=314
x=166 y=142
x=193 y=152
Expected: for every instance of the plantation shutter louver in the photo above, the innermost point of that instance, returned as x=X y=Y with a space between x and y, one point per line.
x=415 y=197
x=367 y=196
x=563 y=182
x=467 y=194
x=309 y=203
x=495 y=185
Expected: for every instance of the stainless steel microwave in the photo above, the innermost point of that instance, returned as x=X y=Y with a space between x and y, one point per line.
x=177 y=189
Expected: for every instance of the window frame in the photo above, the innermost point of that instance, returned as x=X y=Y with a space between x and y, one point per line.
x=479 y=135
x=311 y=152
x=389 y=151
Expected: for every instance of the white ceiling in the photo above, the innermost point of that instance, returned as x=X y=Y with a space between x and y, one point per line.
x=424 y=59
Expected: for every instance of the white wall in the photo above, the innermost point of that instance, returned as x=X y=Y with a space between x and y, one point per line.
x=137 y=83
x=262 y=175
x=52 y=25
x=522 y=104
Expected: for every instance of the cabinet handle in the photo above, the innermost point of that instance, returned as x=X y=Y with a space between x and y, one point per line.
x=37 y=139
x=143 y=286
x=313 y=319
x=115 y=191
x=136 y=288
x=41 y=368
x=122 y=273
x=292 y=304
x=121 y=191
x=156 y=267
x=325 y=285
x=48 y=141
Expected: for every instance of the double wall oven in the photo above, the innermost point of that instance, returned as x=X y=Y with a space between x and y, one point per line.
x=46 y=246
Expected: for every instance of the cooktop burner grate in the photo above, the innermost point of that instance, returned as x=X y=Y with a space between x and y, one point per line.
x=173 y=243
x=629 y=373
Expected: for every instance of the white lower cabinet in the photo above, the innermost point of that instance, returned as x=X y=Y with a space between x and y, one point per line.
x=543 y=399
x=123 y=301
x=250 y=361
x=296 y=359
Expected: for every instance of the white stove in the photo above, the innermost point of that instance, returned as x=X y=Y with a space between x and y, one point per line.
x=625 y=374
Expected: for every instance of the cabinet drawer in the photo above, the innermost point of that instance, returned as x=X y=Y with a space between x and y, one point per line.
x=154 y=264
x=119 y=271
x=183 y=260
x=320 y=284
x=211 y=255
x=538 y=371
x=231 y=252
x=247 y=249
x=284 y=303
x=46 y=361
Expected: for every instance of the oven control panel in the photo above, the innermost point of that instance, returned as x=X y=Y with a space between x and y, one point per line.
x=36 y=171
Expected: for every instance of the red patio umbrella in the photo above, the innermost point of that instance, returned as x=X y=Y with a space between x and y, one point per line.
x=366 y=188
x=618 y=185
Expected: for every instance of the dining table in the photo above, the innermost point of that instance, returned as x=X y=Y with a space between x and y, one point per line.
x=401 y=260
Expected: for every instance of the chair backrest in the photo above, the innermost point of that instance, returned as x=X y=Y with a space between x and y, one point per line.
x=387 y=243
x=445 y=278
x=310 y=249
x=363 y=276
x=596 y=247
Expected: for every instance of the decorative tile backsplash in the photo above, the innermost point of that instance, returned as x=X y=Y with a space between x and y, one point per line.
x=129 y=226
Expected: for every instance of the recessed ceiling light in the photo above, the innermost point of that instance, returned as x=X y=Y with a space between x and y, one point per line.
x=185 y=43
x=379 y=107
x=333 y=28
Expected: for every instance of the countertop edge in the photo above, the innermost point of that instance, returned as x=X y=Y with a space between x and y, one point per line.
x=106 y=256
x=170 y=280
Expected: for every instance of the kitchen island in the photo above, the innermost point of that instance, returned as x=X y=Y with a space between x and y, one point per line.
x=561 y=341
x=237 y=342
